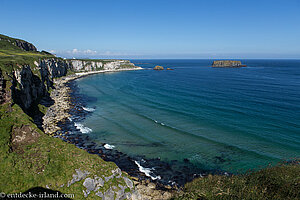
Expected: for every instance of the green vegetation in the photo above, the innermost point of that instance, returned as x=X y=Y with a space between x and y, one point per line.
x=279 y=182
x=42 y=160
x=28 y=157
x=12 y=57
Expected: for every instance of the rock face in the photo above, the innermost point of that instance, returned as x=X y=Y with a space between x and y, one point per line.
x=27 y=87
x=94 y=65
x=2 y=88
x=52 y=68
x=227 y=63
x=157 y=67
x=104 y=188
x=25 y=45
x=81 y=65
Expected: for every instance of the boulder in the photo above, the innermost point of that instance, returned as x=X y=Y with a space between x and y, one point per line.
x=128 y=182
x=89 y=184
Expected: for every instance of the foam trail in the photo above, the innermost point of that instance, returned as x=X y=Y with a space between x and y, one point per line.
x=88 y=109
x=147 y=171
x=82 y=128
x=108 y=146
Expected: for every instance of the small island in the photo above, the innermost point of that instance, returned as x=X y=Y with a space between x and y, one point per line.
x=157 y=67
x=227 y=63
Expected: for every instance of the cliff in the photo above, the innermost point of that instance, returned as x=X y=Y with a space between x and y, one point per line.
x=26 y=46
x=26 y=78
x=29 y=87
x=2 y=88
x=87 y=65
x=227 y=63
x=27 y=75
x=30 y=158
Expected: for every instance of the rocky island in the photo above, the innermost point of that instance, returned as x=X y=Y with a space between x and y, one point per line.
x=227 y=63
x=157 y=67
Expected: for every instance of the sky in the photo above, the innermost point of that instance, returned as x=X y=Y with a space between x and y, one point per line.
x=156 y=28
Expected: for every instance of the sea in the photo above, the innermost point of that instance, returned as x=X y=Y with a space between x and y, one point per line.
x=227 y=119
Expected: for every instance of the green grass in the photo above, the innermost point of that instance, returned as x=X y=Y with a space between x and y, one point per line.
x=50 y=161
x=12 y=57
x=279 y=182
x=47 y=161
x=44 y=160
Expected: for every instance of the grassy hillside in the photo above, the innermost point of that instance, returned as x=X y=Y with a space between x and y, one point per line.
x=279 y=182
x=40 y=160
x=28 y=157
x=11 y=56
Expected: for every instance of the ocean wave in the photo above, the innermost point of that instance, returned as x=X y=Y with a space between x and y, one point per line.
x=156 y=121
x=108 y=146
x=88 y=109
x=147 y=171
x=70 y=119
x=82 y=128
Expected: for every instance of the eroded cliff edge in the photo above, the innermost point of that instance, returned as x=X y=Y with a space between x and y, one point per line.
x=29 y=87
x=31 y=160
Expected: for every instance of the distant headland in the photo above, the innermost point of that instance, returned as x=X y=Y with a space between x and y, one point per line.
x=227 y=63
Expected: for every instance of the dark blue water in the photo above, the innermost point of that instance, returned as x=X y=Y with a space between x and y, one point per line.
x=231 y=119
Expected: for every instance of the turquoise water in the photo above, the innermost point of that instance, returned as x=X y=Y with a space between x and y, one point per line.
x=230 y=119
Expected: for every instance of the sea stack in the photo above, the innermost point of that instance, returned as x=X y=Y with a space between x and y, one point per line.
x=227 y=63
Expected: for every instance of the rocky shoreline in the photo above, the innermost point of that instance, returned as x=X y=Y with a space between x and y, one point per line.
x=57 y=123
x=153 y=178
x=59 y=110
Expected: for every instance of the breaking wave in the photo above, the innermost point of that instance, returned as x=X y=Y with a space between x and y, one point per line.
x=108 y=146
x=88 y=109
x=147 y=171
x=82 y=128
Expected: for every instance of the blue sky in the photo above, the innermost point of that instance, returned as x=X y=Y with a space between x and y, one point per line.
x=157 y=29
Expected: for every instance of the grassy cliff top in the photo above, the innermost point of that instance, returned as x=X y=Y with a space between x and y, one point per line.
x=29 y=158
x=278 y=182
x=12 y=55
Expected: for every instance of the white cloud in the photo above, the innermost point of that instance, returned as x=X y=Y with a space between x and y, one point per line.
x=89 y=53
x=75 y=51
